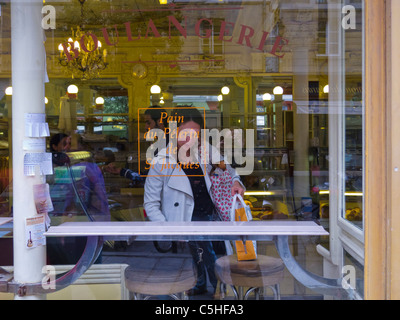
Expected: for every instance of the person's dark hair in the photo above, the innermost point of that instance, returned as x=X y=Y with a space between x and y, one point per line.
x=55 y=140
x=155 y=113
x=186 y=113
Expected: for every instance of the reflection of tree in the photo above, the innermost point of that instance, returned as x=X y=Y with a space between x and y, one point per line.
x=115 y=105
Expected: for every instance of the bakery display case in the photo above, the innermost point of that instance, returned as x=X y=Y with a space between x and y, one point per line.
x=352 y=163
x=269 y=189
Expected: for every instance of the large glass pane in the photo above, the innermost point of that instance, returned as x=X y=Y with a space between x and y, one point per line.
x=353 y=120
x=280 y=86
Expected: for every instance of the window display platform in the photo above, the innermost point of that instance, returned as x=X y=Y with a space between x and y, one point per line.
x=277 y=231
x=251 y=230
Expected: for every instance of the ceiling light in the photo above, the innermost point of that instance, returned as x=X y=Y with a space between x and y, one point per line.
x=225 y=90
x=99 y=100
x=278 y=90
x=72 y=89
x=9 y=91
x=155 y=89
x=267 y=97
x=81 y=56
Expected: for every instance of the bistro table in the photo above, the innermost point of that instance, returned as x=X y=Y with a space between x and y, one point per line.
x=277 y=231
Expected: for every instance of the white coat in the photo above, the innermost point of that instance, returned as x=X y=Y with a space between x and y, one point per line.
x=168 y=194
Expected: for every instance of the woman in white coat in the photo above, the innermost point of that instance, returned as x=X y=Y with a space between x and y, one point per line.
x=178 y=188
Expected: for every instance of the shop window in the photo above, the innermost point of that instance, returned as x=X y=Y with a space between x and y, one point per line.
x=293 y=91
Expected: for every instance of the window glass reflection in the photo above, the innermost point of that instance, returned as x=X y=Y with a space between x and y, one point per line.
x=281 y=81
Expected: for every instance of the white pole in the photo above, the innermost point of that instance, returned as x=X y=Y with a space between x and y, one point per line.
x=28 y=63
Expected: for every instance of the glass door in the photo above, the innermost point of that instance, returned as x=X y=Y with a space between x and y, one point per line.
x=345 y=257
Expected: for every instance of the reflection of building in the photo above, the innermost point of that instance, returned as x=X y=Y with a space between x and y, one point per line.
x=192 y=49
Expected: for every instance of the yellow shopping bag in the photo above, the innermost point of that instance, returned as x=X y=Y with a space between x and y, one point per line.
x=246 y=250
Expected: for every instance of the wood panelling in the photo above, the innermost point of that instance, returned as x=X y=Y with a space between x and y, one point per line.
x=376 y=245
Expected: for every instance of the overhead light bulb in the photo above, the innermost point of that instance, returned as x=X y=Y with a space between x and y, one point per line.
x=72 y=89
x=155 y=89
x=99 y=100
x=46 y=101
x=9 y=91
x=326 y=89
x=267 y=97
x=225 y=90
x=77 y=46
x=220 y=97
x=278 y=90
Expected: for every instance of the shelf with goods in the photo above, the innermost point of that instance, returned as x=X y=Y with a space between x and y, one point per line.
x=104 y=124
x=106 y=147
x=352 y=175
x=353 y=207
x=270 y=186
x=103 y=119
x=5 y=169
x=318 y=206
x=6 y=224
x=269 y=189
x=318 y=150
x=288 y=122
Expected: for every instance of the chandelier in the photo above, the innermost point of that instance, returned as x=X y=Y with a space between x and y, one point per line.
x=82 y=55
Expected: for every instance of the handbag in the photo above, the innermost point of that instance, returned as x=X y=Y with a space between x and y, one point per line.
x=246 y=250
x=221 y=184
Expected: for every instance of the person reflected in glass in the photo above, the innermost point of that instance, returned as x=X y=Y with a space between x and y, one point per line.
x=77 y=189
x=60 y=142
x=178 y=189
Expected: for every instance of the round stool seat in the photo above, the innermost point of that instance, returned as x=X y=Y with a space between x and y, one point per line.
x=263 y=272
x=160 y=276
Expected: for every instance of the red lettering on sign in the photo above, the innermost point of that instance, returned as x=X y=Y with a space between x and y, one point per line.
x=208 y=31
x=244 y=36
x=176 y=23
x=72 y=48
x=83 y=44
x=153 y=28
x=223 y=31
x=203 y=29
x=107 y=38
x=278 y=46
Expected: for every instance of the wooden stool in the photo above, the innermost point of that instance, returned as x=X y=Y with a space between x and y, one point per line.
x=171 y=276
x=261 y=273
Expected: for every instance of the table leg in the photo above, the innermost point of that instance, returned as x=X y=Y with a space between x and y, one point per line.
x=325 y=286
x=92 y=250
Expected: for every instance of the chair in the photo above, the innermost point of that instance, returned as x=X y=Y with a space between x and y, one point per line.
x=160 y=276
x=264 y=272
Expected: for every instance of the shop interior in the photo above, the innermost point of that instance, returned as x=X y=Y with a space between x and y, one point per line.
x=289 y=113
